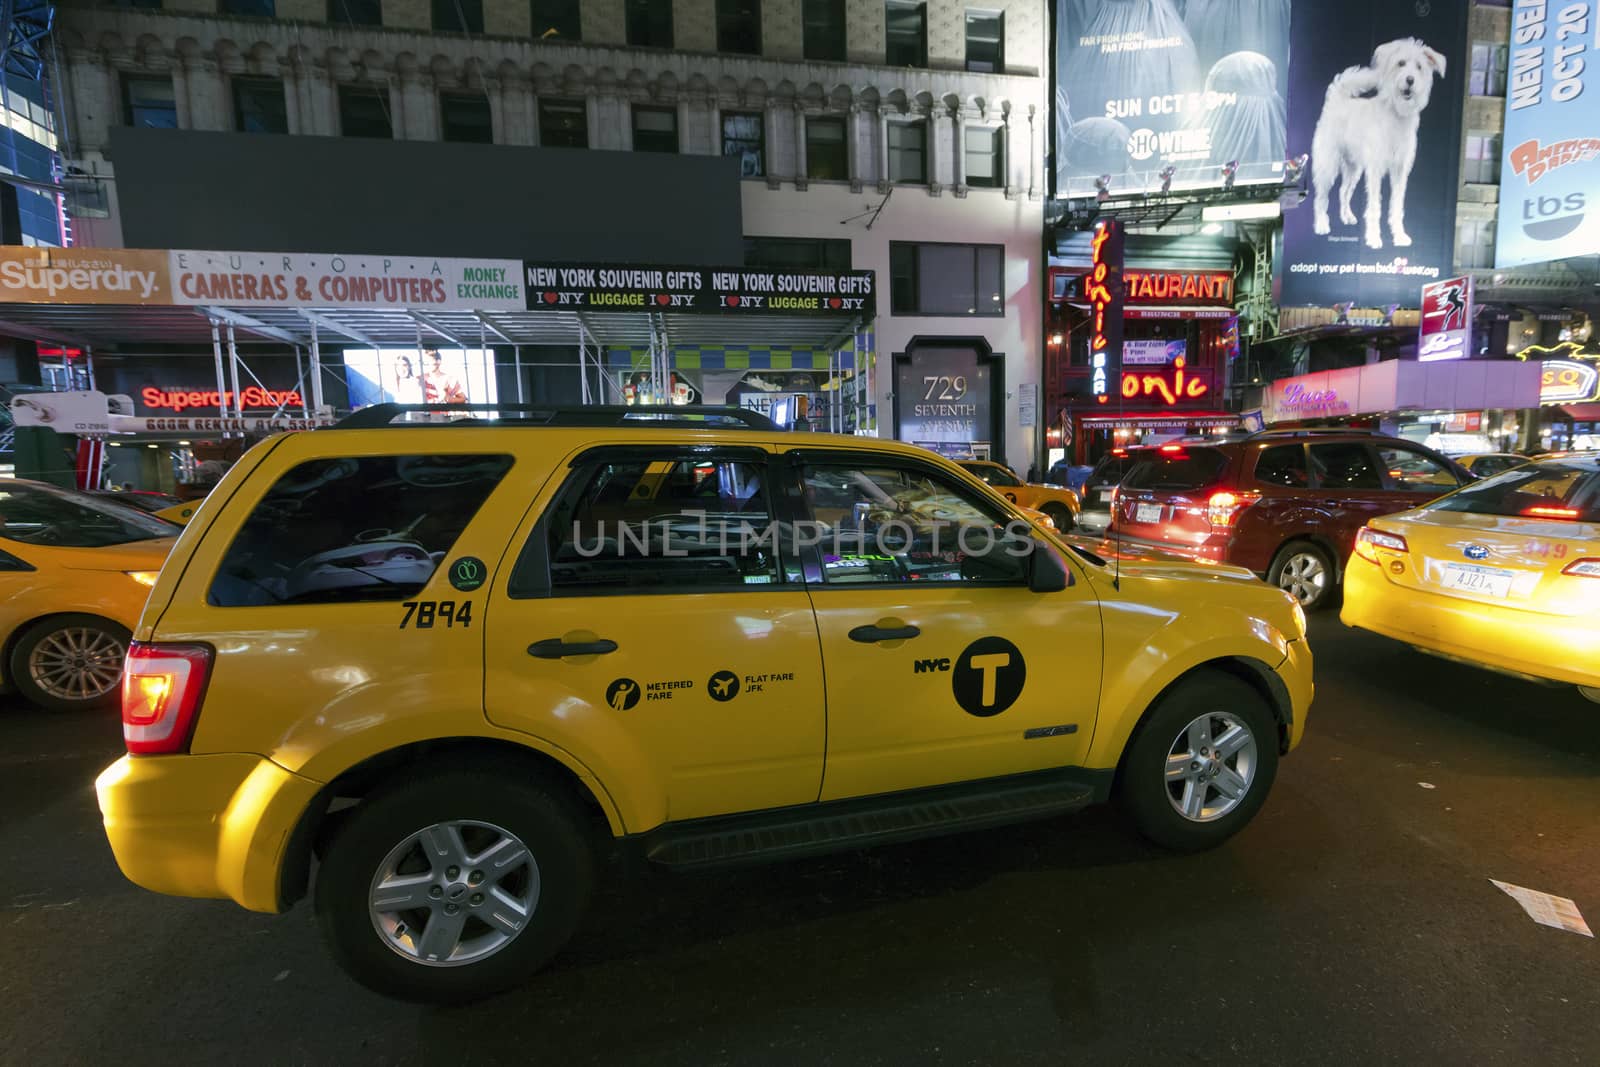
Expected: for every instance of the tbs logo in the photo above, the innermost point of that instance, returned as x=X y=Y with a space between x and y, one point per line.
x=1549 y=218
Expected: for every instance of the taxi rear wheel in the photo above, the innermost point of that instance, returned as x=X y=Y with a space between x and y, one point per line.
x=70 y=662
x=1201 y=763
x=453 y=887
x=1061 y=515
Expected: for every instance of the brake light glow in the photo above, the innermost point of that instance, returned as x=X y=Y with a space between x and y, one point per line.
x=1119 y=451
x=162 y=686
x=1368 y=541
x=1171 y=449
x=1583 y=568
x=1539 y=511
x=1223 y=508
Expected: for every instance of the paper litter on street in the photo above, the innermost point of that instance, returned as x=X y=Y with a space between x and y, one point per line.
x=1547 y=910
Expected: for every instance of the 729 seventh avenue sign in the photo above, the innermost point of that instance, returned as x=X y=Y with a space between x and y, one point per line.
x=731 y=290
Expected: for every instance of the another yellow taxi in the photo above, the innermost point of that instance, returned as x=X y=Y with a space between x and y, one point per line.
x=1060 y=503
x=1503 y=574
x=1488 y=464
x=460 y=663
x=74 y=573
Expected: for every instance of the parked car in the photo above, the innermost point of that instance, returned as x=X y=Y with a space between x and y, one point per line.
x=600 y=648
x=146 y=500
x=74 y=572
x=1284 y=504
x=1488 y=464
x=1061 y=505
x=1504 y=574
x=1094 y=516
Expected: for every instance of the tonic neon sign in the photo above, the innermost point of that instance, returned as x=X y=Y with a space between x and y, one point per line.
x=1104 y=290
x=1172 y=390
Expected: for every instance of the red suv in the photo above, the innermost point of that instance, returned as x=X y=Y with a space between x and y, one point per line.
x=1285 y=504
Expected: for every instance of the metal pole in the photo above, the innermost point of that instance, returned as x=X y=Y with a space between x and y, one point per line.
x=222 y=380
x=300 y=383
x=583 y=365
x=516 y=356
x=233 y=367
x=88 y=363
x=316 y=371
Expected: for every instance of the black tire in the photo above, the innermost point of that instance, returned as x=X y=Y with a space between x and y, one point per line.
x=1061 y=515
x=1287 y=574
x=547 y=823
x=1142 y=786
x=90 y=632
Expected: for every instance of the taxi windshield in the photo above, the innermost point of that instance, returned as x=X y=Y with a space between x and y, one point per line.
x=42 y=515
x=1550 y=490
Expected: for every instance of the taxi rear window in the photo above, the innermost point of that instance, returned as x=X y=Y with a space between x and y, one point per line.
x=1550 y=490
x=354 y=528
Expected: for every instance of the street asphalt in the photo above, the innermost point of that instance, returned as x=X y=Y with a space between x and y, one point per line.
x=1354 y=922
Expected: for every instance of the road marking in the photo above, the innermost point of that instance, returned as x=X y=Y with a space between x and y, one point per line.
x=1547 y=910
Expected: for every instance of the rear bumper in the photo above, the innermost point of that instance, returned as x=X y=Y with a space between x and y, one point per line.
x=1215 y=551
x=1552 y=648
x=203 y=826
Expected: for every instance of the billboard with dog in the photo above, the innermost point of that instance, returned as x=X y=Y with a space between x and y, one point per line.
x=1190 y=85
x=1375 y=99
x=1550 y=172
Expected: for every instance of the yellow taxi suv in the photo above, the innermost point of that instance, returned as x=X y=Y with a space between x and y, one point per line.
x=448 y=666
x=1057 y=503
x=1502 y=574
x=74 y=572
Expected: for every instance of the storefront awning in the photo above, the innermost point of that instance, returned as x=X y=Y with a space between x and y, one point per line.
x=1205 y=420
x=1403 y=385
x=1582 y=412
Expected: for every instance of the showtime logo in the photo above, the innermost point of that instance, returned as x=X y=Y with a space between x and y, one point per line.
x=184 y=399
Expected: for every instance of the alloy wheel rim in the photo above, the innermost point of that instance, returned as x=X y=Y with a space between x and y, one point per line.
x=454 y=893
x=1210 y=767
x=77 y=663
x=1303 y=577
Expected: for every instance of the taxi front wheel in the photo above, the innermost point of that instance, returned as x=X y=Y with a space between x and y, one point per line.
x=1201 y=763
x=452 y=887
x=70 y=662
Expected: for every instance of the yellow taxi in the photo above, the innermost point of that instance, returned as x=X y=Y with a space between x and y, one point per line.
x=1059 y=503
x=74 y=572
x=179 y=514
x=1502 y=574
x=458 y=663
x=1488 y=464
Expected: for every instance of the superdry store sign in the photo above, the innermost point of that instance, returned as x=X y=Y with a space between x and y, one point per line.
x=579 y=287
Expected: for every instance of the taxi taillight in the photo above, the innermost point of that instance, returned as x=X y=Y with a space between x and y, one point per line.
x=1368 y=541
x=162 y=686
x=1583 y=568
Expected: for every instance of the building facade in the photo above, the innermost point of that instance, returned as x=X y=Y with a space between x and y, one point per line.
x=905 y=138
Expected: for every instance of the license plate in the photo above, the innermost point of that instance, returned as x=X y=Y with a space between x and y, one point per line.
x=1486 y=581
x=1147 y=513
x=1107 y=494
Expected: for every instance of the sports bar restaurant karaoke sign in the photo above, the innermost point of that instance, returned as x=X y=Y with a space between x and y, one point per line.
x=731 y=290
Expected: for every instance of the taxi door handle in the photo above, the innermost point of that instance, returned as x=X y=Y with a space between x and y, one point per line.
x=868 y=635
x=555 y=648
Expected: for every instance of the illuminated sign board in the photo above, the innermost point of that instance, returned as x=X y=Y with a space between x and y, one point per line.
x=184 y=399
x=1179 y=287
x=1103 y=287
x=1445 y=330
x=1566 y=381
x=1169 y=388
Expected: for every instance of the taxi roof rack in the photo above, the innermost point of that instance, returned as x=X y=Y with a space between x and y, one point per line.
x=378 y=416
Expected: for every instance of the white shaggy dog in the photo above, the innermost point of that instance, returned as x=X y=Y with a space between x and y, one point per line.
x=1368 y=132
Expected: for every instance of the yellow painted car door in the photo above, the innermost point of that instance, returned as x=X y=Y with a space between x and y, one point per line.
x=942 y=665
x=652 y=625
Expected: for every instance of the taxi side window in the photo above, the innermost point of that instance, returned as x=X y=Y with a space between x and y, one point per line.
x=673 y=524
x=354 y=528
x=1284 y=465
x=889 y=525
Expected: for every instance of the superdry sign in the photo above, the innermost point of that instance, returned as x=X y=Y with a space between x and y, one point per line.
x=577 y=287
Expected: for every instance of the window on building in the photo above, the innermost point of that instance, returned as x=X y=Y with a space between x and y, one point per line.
x=1482 y=163
x=563 y=124
x=797 y=253
x=739 y=26
x=908 y=152
x=557 y=20
x=1488 y=74
x=465 y=118
x=827 y=153
x=823 y=24
x=743 y=136
x=941 y=279
x=986 y=156
x=364 y=112
x=906 y=29
x=259 y=106
x=458 y=16
x=355 y=12
x=259 y=9
x=649 y=23
x=986 y=41
x=149 y=102
x=655 y=129
x=1475 y=243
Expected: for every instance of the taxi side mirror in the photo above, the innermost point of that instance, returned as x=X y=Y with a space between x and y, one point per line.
x=1047 y=571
